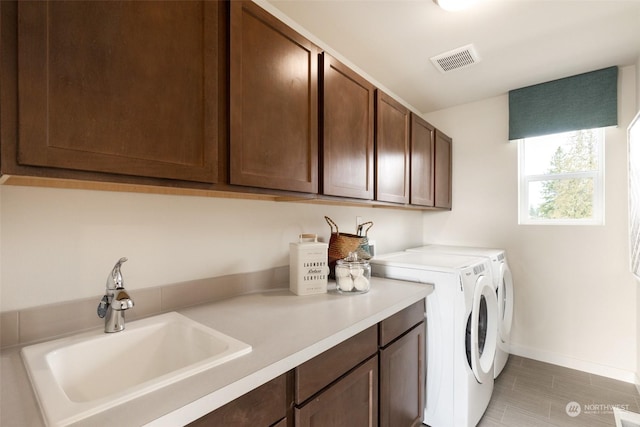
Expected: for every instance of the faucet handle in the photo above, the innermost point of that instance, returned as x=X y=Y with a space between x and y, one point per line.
x=115 y=280
x=102 y=307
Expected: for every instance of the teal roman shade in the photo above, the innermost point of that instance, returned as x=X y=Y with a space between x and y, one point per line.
x=585 y=101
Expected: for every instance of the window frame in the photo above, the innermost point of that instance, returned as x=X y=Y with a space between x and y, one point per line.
x=598 y=177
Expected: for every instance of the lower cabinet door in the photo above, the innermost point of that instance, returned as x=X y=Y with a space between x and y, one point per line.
x=402 y=380
x=350 y=402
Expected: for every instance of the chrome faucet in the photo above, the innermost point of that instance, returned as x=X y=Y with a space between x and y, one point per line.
x=115 y=301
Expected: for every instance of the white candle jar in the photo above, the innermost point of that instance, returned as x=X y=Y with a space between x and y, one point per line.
x=353 y=275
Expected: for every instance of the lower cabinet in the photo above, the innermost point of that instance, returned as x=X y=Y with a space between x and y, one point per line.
x=375 y=378
x=339 y=387
x=402 y=380
x=264 y=406
x=351 y=401
x=402 y=367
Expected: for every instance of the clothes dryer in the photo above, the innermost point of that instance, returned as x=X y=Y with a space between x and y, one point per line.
x=503 y=282
x=461 y=331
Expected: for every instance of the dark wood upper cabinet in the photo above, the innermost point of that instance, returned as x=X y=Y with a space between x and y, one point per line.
x=123 y=87
x=392 y=150
x=202 y=94
x=346 y=131
x=274 y=103
x=443 y=171
x=422 y=162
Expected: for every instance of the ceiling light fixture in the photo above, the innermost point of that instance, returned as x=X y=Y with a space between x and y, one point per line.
x=454 y=5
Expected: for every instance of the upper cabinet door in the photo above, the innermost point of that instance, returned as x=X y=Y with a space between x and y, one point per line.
x=392 y=150
x=347 y=124
x=125 y=87
x=274 y=103
x=443 y=171
x=422 y=162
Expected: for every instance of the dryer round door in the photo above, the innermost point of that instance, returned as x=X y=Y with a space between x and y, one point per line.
x=482 y=330
x=505 y=303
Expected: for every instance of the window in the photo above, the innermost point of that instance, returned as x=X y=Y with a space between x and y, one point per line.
x=561 y=178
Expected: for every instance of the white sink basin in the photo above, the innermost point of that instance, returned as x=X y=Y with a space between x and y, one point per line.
x=85 y=374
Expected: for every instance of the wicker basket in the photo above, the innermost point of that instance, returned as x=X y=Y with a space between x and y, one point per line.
x=341 y=244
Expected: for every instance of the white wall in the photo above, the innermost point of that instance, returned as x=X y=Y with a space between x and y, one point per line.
x=637 y=379
x=59 y=245
x=638 y=80
x=575 y=299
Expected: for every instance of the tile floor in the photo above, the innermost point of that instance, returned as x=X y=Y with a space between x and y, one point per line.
x=529 y=393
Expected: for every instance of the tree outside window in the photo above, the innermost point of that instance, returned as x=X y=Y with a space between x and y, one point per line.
x=561 y=178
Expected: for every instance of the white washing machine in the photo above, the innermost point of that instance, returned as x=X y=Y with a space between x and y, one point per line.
x=461 y=331
x=503 y=282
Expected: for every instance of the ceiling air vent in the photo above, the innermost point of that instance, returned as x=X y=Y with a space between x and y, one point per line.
x=456 y=59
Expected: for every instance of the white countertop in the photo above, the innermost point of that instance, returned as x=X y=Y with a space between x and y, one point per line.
x=284 y=330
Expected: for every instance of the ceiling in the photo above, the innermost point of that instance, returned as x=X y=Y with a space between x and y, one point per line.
x=519 y=42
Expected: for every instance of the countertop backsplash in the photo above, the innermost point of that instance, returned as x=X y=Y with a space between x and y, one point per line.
x=40 y=323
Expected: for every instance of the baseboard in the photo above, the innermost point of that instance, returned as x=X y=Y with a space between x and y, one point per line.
x=637 y=382
x=572 y=363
